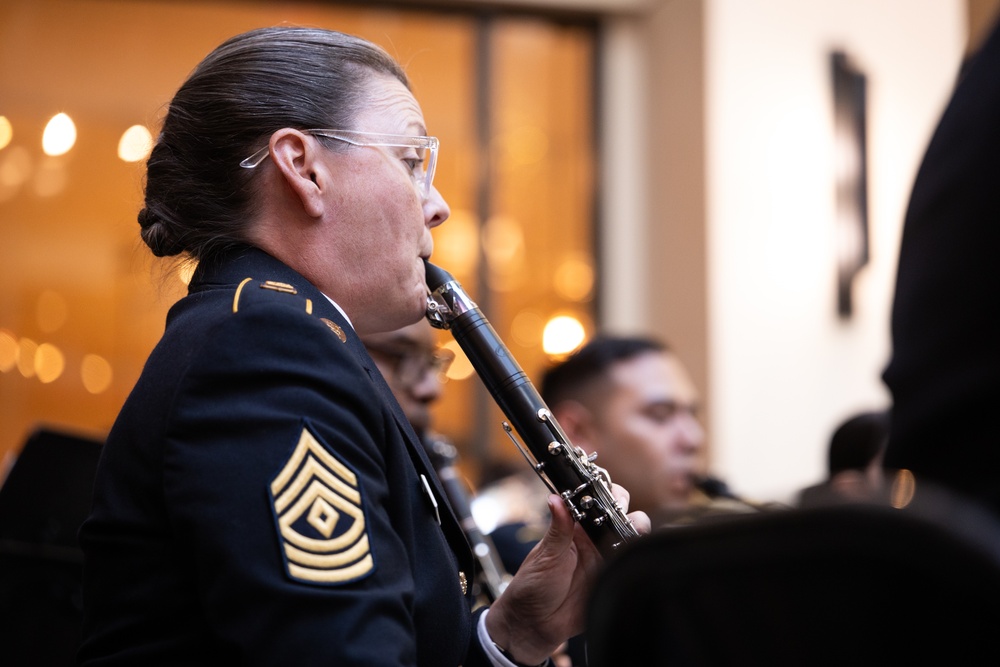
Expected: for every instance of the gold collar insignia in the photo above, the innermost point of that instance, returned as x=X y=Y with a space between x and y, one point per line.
x=335 y=328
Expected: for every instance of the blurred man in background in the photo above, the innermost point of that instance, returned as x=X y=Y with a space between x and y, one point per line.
x=412 y=364
x=630 y=400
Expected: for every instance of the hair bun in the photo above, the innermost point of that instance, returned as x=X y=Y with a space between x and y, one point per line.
x=157 y=236
x=145 y=218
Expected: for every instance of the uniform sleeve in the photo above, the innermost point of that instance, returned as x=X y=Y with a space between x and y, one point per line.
x=275 y=476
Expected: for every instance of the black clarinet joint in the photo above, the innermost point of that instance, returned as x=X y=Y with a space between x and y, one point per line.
x=566 y=470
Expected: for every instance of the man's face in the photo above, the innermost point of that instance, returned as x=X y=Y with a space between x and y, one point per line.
x=646 y=433
x=381 y=221
x=409 y=360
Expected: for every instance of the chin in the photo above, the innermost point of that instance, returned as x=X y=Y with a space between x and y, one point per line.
x=388 y=318
x=420 y=301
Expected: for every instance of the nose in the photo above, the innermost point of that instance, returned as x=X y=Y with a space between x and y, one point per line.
x=692 y=432
x=436 y=209
x=427 y=388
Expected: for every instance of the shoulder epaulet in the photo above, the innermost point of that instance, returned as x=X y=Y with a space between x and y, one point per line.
x=250 y=289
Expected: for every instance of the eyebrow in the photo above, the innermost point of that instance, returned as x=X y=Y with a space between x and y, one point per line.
x=674 y=404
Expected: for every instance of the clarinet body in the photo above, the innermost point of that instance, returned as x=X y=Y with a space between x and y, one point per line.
x=493 y=578
x=567 y=470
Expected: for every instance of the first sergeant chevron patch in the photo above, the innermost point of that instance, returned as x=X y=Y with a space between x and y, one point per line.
x=321 y=521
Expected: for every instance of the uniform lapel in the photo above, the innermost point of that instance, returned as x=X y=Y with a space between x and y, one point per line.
x=449 y=521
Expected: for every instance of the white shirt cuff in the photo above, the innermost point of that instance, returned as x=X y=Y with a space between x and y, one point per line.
x=492 y=652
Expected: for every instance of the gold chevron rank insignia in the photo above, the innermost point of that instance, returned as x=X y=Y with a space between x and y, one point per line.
x=321 y=522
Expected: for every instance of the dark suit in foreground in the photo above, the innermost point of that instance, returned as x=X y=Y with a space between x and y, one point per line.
x=944 y=374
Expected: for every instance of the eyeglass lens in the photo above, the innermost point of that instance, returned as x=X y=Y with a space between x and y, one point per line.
x=414 y=366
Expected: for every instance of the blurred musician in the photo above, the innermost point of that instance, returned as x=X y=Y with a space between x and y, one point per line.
x=412 y=365
x=630 y=400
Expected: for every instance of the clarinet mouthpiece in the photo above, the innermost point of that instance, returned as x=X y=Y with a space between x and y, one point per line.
x=435 y=276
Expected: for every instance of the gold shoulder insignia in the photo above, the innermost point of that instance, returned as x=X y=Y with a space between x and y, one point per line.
x=336 y=329
x=274 y=286
x=279 y=287
x=239 y=291
x=321 y=522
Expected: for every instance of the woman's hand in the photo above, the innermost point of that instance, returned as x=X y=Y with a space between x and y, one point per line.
x=545 y=602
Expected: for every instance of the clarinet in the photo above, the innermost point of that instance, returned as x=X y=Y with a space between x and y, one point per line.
x=567 y=470
x=492 y=573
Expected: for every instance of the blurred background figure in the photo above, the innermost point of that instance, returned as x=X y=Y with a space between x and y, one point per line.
x=44 y=498
x=413 y=366
x=854 y=461
x=944 y=374
x=630 y=400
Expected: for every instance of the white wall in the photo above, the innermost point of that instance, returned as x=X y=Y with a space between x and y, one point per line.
x=784 y=370
x=625 y=117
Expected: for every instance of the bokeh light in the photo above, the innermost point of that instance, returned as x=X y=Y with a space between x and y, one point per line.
x=562 y=335
x=49 y=363
x=15 y=166
x=6 y=132
x=59 y=135
x=455 y=244
x=95 y=371
x=574 y=279
x=8 y=351
x=461 y=367
x=26 y=349
x=135 y=144
x=186 y=269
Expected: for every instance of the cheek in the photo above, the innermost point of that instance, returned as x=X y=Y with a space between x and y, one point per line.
x=643 y=435
x=384 y=229
x=632 y=447
x=652 y=445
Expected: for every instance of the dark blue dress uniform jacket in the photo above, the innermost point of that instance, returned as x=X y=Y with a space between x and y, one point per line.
x=261 y=499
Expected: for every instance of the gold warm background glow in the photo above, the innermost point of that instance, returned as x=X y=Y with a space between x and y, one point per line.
x=82 y=301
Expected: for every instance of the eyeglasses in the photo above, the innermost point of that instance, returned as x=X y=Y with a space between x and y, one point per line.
x=411 y=365
x=421 y=165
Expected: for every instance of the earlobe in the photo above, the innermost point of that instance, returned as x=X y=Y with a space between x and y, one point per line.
x=296 y=158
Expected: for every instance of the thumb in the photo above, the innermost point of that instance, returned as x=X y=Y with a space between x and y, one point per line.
x=559 y=535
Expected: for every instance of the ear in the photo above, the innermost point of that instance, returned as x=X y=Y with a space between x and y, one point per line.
x=576 y=420
x=297 y=158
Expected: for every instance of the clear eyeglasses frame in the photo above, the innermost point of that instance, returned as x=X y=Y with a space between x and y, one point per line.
x=422 y=170
x=411 y=364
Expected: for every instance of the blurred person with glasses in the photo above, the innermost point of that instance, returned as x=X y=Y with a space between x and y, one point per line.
x=261 y=498
x=415 y=368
